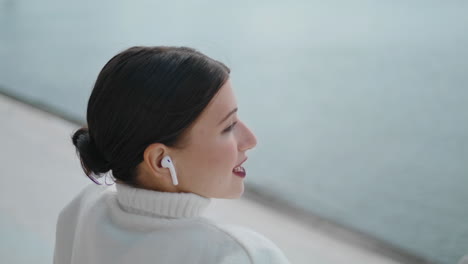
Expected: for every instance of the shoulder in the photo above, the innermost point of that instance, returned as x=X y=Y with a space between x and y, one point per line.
x=83 y=199
x=215 y=243
x=257 y=247
x=67 y=222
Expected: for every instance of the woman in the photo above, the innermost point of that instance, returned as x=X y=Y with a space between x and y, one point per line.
x=164 y=121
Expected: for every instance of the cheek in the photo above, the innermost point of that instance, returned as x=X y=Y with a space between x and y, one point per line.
x=225 y=153
x=208 y=167
x=217 y=156
x=222 y=155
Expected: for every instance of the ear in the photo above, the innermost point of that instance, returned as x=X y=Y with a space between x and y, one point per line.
x=152 y=158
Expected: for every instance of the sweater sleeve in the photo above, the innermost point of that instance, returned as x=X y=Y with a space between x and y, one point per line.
x=259 y=249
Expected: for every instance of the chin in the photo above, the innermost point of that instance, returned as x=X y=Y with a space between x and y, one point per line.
x=237 y=194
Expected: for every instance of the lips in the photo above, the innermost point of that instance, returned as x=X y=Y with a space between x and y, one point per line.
x=239 y=170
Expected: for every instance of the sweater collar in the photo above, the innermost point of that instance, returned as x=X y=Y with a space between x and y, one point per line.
x=160 y=204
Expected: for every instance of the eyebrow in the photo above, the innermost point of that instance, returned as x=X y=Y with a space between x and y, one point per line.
x=230 y=113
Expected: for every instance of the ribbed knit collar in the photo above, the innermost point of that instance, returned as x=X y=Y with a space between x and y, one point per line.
x=160 y=204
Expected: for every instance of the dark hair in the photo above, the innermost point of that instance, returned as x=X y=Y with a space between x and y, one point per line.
x=144 y=95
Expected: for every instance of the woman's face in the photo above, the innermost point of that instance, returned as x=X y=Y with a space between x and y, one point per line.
x=216 y=144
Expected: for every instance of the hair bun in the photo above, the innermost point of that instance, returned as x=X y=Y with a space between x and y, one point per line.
x=92 y=160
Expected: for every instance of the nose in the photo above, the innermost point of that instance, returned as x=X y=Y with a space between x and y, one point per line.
x=247 y=139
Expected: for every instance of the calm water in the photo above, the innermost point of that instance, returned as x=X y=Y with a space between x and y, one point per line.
x=360 y=107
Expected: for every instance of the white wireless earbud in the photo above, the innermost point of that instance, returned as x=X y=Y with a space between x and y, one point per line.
x=166 y=162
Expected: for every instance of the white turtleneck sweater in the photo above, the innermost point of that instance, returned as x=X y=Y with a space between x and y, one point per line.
x=123 y=224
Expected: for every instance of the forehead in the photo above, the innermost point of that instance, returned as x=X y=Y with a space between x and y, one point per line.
x=207 y=123
x=221 y=104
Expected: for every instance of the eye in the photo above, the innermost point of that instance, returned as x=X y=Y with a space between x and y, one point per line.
x=229 y=128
